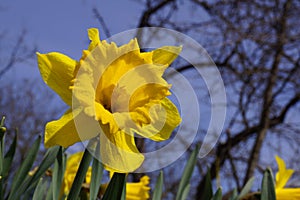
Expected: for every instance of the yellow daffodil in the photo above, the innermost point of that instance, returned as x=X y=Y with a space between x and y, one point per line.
x=134 y=191
x=282 y=177
x=138 y=191
x=119 y=88
x=72 y=166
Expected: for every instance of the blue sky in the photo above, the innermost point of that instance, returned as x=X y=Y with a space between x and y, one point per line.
x=61 y=25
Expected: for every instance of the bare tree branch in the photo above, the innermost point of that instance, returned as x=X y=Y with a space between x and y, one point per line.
x=102 y=22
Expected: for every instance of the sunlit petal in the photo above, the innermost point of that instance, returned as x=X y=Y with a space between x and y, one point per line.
x=138 y=191
x=139 y=86
x=63 y=131
x=119 y=152
x=288 y=194
x=57 y=71
x=166 y=55
x=283 y=174
x=93 y=34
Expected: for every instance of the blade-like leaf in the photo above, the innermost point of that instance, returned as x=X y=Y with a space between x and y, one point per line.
x=22 y=173
x=2 y=132
x=189 y=168
x=123 y=196
x=8 y=158
x=208 y=190
x=158 y=187
x=267 y=187
x=115 y=187
x=58 y=173
x=49 y=195
x=40 y=190
x=234 y=195
x=47 y=161
x=185 y=192
x=80 y=175
x=2 y=128
x=246 y=188
x=26 y=190
x=97 y=172
x=218 y=194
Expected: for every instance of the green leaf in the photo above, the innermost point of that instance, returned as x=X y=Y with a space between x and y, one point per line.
x=49 y=195
x=58 y=173
x=208 y=191
x=234 y=195
x=1 y=156
x=267 y=187
x=157 y=193
x=115 y=187
x=2 y=133
x=2 y=128
x=22 y=172
x=97 y=172
x=218 y=194
x=189 y=168
x=185 y=192
x=83 y=195
x=123 y=196
x=40 y=190
x=80 y=175
x=26 y=190
x=246 y=188
x=47 y=161
x=8 y=158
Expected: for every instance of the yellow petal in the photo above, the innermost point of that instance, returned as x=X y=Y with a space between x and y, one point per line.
x=57 y=71
x=63 y=131
x=122 y=60
x=138 y=87
x=138 y=191
x=83 y=89
x=283 y=174
x=119 y=152
x=164 y=118
x=95 y=72
x=73 y=162
x=93 y=34
x=105 y=117
x=88 y=176
x=288 y=194
x=166 y=55
x=163 y=121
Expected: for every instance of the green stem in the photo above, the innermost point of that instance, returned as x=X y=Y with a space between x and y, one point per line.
x=80 y=175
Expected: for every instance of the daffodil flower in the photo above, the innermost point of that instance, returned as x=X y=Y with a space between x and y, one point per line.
x=282 y=177
x=72 y=166
x=114 y=93
x=138 y=191
x=134 y=191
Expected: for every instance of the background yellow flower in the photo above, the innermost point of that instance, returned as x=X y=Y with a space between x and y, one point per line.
x=134 y=191
x=282 y=177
